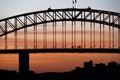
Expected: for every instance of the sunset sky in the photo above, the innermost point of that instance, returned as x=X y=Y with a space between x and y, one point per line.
x=53 y=62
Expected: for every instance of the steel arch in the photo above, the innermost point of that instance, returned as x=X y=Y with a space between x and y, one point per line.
x=55 y=15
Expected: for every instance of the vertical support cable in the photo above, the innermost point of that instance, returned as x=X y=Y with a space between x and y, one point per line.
x=81 y=31
x=72 y=35
x=113 y=37
x=25 y=33
x=6 y=35
x=103 y=33
x=53 y=35
x=44 y=31
x=53 y=32
x=109 y=32
x=94 y=30
x=91 y=31
x=100 y=30
x=74 y=30
x=113 y=34
x=84 y=32
x=43 y=35
x=63 y=31
x=15 y=23
x=35 y=32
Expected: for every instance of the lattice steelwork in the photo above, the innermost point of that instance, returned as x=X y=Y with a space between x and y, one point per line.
x=78 y=19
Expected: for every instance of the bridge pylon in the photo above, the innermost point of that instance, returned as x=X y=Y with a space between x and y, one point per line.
x=23 y=63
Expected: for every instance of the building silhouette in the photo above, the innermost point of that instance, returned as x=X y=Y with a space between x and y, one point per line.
x=88 y=65
x=111 y=71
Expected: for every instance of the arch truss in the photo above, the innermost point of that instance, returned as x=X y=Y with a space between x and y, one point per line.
x=69 y=15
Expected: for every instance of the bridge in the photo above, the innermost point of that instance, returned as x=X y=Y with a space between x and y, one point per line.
x=60 y=30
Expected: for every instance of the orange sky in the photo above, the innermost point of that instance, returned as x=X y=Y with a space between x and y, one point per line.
x=56 y=62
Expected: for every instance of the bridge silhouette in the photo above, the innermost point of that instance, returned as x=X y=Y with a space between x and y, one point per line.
x=60 y=30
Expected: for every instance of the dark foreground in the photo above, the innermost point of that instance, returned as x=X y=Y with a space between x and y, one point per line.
x=111 y=71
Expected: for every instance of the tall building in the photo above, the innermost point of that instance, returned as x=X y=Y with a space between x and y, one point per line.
x=88 y=65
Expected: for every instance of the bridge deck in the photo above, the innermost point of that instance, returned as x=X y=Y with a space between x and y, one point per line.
x=58 y=50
